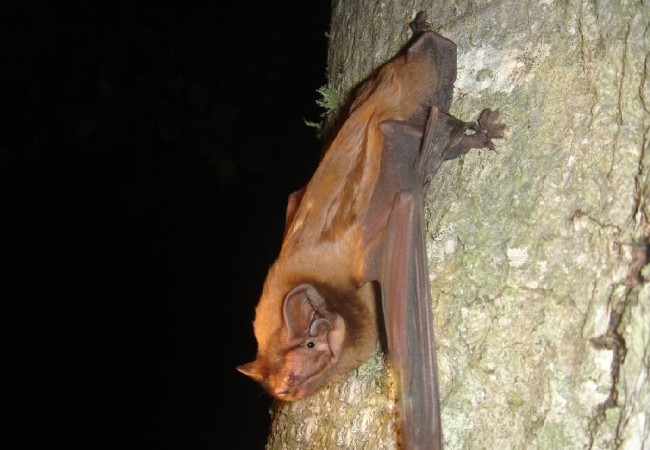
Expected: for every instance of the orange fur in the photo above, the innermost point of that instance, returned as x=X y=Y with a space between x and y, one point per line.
x=326 y=242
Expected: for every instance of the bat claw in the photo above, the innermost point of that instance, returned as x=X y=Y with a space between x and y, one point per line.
x=488 y=123
x=489 y=127
x=420 y=23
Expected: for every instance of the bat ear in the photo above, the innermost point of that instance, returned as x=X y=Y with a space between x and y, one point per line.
x=302 y=316
x=252 y=369
x=320 y=327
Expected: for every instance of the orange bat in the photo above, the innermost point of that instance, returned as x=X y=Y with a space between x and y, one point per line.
x=354 y=240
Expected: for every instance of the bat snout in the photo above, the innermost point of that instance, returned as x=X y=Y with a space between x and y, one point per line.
x=287 y=388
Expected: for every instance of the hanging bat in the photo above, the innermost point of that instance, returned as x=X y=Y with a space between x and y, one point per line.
x=355 y=234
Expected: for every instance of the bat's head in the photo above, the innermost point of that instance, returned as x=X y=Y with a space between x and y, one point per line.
x=302 y=355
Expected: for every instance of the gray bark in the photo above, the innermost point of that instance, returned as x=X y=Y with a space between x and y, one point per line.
x=538 y=252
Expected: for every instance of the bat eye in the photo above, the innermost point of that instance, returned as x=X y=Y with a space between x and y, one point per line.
x=311 y=344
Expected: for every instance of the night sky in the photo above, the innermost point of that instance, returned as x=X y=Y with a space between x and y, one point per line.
x=148 y=153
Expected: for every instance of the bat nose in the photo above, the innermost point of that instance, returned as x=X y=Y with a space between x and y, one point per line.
x=290 y=379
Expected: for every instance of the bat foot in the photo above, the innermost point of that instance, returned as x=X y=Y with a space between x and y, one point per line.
x=488 y=121
x=420 y=23
x=487 y=128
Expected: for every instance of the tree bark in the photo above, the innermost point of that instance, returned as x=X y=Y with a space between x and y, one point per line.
x=538 y=253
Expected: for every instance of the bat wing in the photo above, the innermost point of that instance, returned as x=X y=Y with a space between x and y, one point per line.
x=293 y=203
x=406 y=304
x=411 y=155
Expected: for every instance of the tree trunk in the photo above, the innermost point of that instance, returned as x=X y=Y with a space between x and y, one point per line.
x=538 y=253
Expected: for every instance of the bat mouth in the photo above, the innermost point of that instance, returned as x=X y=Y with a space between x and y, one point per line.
x=289 y=394
x=301 y=388
x=283 y=393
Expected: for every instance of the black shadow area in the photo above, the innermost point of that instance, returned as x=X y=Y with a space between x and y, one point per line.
x=148 y=152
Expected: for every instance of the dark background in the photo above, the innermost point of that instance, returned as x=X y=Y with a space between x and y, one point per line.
x=148 y=153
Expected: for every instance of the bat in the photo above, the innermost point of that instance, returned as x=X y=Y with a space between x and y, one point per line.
x=354 y=240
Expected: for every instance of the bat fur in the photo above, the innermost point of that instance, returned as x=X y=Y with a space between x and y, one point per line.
x=355 y=234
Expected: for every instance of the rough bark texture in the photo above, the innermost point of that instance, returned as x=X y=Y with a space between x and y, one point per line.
x=538 y=253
